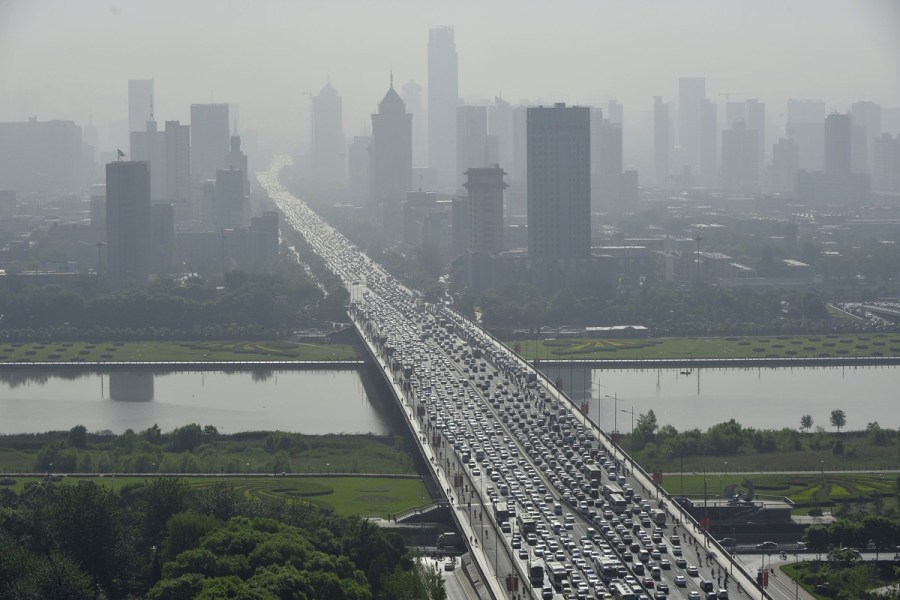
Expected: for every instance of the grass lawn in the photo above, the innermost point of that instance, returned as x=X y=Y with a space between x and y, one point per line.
x=366 y=496
x=807 y=490
x=800 y=346
x=172 y=351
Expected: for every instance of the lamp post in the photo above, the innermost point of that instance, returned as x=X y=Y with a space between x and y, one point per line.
x=632 y=413
x=615 y=399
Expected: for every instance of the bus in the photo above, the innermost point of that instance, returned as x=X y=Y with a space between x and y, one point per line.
x=658 y=516
x=617 y=503
x=620 y=591
x=611 y=488
x=608 y=569
x=556 y=574
x=593 y=474
x=536 y=574
x=526 y=524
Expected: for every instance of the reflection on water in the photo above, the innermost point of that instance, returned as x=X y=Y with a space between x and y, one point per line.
x=312 y=402
x=136 y=386
x=756 y=397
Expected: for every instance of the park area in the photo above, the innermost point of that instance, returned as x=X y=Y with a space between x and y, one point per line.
x=342 y=495
x=185 y=351
x=799 y=346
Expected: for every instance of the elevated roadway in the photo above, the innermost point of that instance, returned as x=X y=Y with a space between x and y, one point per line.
x=496 y=435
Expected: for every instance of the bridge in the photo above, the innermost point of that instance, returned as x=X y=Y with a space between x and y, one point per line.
x=496 y=434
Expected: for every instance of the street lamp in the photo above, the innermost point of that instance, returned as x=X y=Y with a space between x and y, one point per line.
x=615 y=399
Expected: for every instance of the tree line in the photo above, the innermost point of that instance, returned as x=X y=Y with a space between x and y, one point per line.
x=165 y=540
x=730 y=438
x=264 y=304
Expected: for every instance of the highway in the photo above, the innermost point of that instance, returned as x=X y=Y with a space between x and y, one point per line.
x=539 y=490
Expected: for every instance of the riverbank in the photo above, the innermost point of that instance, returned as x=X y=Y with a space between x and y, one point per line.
x=174 y=352
x=831 y=348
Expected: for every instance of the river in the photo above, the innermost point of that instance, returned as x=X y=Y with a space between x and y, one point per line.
x=304 y=401
x=769 y=398
x=356 y=401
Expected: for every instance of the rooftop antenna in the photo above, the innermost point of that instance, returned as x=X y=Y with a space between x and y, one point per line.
x=392 y=75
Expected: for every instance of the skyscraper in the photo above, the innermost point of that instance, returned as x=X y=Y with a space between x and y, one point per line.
x=443 y=94
x=740 y=170
x=178 y=161
x=868 y=116
x=838 y=144
x=412 y=98
x=691 y=101
x=231 y=204
x=662 y=142
x=805 y=118
x=485 y=187
x=128 y=247
x=140 y=104
x=236 y=159
x=471 y=140
x=391 y=152
x=210 y=136
x=328 y=144
x=559 y=182
x=709 y=144
x=500 y=125
x=149 y=145
x=785 y=164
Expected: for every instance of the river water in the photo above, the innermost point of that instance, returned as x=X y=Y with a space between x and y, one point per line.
x=769 y=398
x=305 y=401
x=356 y=401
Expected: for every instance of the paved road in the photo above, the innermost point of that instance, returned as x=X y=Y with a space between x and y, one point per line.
x=494 y=431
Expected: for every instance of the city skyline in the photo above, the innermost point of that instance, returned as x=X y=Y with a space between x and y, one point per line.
x=839 y=52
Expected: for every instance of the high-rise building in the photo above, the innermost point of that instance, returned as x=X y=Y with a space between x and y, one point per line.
x=838 y=144
x=128 y=248
x=231 y=205
x=41 y=156
x=500 y=125
x=785 y=164
x=473 y=149
x=756 y=121
x=178 y=161
x=210 y=137
x=709 y=144
x=615 y=113
x=485 y=187
x=140 y=104
x=359 y=167
x=391 y=153
x=866 y=115
x=412 y=98
x=691 y=102
x=443 y=95
x=559 y=182
x=886 y=164
x=236 y=159
x=662 y=142
x=740 y=153
x=328 y=143
x=149 y=145
x=804 y=126
x=162 y=237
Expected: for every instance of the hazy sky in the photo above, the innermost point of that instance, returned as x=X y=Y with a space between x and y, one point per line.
x=72 y=58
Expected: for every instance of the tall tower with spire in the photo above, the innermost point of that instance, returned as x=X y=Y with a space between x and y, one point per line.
x=391 y=153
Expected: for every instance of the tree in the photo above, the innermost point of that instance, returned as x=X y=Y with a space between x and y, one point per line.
x=77 y=437
x=806 y=422
x=838 y=419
